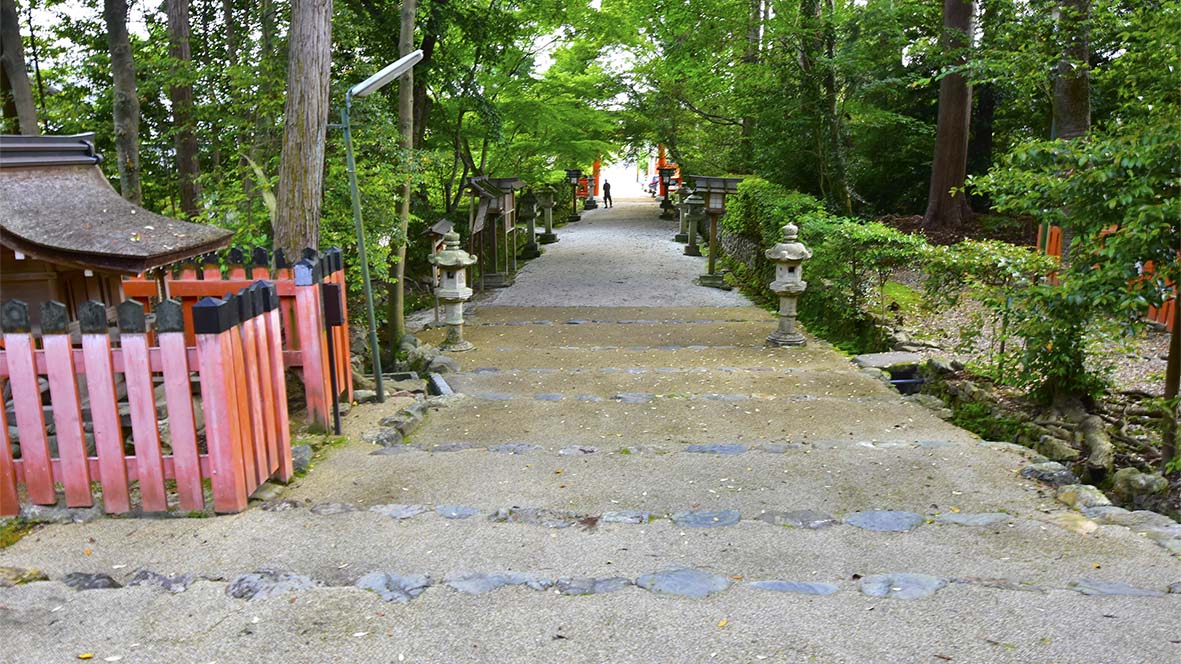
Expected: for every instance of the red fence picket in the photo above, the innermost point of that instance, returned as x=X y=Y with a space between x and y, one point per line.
x=188 y=285
x=237 y=356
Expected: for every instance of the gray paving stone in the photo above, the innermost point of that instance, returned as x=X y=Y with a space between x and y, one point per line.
x=453 y=447
x=494 y=396
x=707 y=519
x=725 y=397
x=806 y=587
x=388 y=437
x=548 y=396
x=634 y=397
x=477 y=583
x=456 y=511
x=799 y=519
x=267 y=583
x=394 y=587
x=588 y=398
x=935 y=444
x=979 y=520
x=901 y=586
x=486 y=370
x=1175 y=588
x=591 y=586
x=514 y=448
x=329 y=509
x=1093 y=587
x=626 y=516
x=173 y=583
x=684 y=582
x=88 y=581
x=885 y=521
x=537 y=516
x=577 y=450
x=1000 y=583
x=1049 y=472
x=717 y=448
x=396 y=450
x=399 y=512
x=780 y=448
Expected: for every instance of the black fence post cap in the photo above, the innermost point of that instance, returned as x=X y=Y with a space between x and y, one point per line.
x=15 y=315
x=132 y=319
x=92 y=317
x=214 y=316
x=55 y=318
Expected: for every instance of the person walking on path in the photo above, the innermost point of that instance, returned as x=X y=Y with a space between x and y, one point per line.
x=607 y=194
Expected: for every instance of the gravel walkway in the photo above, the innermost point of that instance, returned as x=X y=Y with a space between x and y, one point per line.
x=610 y=248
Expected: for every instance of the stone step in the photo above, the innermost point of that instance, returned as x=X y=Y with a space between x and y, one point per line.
x=727 y=383
x=493 y=314
x=335 y=545
x=646 y=418
x=741 y=623
x=508 y=355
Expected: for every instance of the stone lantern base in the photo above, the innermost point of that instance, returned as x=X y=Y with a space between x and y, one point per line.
x=547 y=238
x=529 y=250
x=498 y=280
x=573 y=218
x=712 y=280
x=692 y=250
x=784 y=339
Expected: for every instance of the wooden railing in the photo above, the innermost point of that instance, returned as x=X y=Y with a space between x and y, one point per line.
x=301 y=317
x=142 y=385
x=1049 y=242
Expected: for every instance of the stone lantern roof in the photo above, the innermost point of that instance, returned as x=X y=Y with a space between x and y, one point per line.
x=790 y=249
x=452 y=256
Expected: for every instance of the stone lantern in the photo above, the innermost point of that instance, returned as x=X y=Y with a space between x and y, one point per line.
x=528 y=213
x=683 y=212
x=789 y=257
x=695 y=208
x=667 y=173
x=453 y=291
x=573 y=176
x=545 y=200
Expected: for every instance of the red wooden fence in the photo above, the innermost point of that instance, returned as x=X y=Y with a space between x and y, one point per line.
x=1049 y=242
x=301 y=317
x=237 y=359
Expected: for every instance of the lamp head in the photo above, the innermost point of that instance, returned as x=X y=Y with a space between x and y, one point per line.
x=383 y=77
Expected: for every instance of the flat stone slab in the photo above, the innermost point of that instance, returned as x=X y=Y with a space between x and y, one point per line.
x=453 y=447
x=456 y=511
x=591 y=586
x=780 y=448
x=577 y=450
x=1093 y=587
x=329 y=509
x=537 y=516
x=887 y=360
x=717 y=448
x=805 y=587
x=978 y=520
x=394 y=587
x=1049 y=472
x=494 y=396
x=626 y=516
x=707 y=519
x=514 y=448
x=88 y=581
x=477 y=583
x=548 y=396
x=395 y=450
x=684 y=582
x=173 y=583
x=396 y=511
x=901 y=586
x=267 y=583
x=885 y=521
x=634 y=397
x=799 y=519
x=1000 y=583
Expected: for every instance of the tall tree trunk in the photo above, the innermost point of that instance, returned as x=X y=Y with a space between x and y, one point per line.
x=181 y=94
x=947 y=203
x=405 y=143
x=126 y=100
x=12 y=56
x=754 y=31
x=1072 y=87
x=301 y=166
x=1171 y=450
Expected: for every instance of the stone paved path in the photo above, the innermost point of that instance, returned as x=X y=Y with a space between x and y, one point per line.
x=642 y=483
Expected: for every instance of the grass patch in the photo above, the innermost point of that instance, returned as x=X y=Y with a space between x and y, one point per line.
x=980 y=420
x=907 y=298
x=14 y=530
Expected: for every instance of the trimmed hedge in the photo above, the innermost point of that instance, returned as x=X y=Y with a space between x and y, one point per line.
x=852 y=260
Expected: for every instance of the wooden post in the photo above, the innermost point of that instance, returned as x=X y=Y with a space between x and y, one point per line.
x=239 y=402
x=20 y=351
x=104 y=406
x=262 y=377
x=67 y=407
x=214 y=322
x=141 y=399
x=182 y=426
x=250 y=379
x=270 y=305
x=9 y=501
x=310 y=326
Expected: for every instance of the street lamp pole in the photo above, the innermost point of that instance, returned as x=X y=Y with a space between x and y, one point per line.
x=363 y=89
